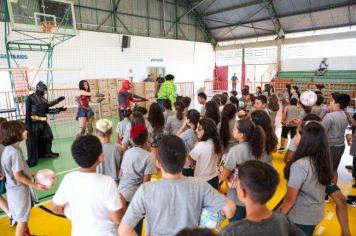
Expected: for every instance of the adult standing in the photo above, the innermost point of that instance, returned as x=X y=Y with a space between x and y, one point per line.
x=148 y=79
x=40 y=136
x=168 y=91
x=234 y=80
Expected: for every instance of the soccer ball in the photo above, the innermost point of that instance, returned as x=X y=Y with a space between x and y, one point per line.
x=46 y=177
x=210 y=220
x=308 y=98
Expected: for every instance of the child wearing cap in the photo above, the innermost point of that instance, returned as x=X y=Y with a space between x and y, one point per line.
x=112 y=152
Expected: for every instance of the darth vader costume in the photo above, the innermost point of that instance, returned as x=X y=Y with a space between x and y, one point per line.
x=40 y=137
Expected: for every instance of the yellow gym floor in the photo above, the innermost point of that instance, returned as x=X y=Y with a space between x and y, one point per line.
x=44 y=223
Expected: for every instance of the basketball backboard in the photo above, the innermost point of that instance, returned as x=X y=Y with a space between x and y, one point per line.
x=48 y=16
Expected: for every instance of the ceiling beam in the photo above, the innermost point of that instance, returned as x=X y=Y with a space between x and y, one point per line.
x=235 y=7
x=313 y=10
x=273 y=14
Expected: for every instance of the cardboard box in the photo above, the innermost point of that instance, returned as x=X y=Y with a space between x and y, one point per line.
x=112 y=83
x=114 y=112
x=150 y=86
x=114 y=101
x=150 y=94
x=106 y=113
x=139 y=89
x=103 y=83
x=119 y=84
x=93 y=82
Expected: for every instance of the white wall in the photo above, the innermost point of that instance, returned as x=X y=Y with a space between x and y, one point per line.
x=303 y=64
x=100 y=56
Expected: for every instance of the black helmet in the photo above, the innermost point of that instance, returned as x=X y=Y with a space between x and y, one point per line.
x=41 y=87
x=169 y=77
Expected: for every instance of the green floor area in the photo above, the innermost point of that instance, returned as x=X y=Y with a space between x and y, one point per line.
x=64 y=135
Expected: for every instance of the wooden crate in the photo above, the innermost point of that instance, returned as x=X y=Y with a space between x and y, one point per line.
x=103 y=83
x=112 y=83
x=150 y=90
x=106 y=113
x=114 y=112
x=139 y=89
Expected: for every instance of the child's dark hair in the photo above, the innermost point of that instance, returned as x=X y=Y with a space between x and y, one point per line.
x=252 y=97
x=127 y=113
x=179 y=106
x=156 y=117
x=139 y=134
x=262 y=119
x=245 y=91
x=234 y=101
x=137 y=118
x=268 y=89
x=342 y=99
x=81 y=85
x=229 y=113
x=86 y=150
x=179 y=98
x=262 y=98
x=313 y=144
x=202 y=95
x=223 y=99
x=2 y=120
x=216 y=98
x=234 y=93
x=254 y=135
x=186 y=101
x=306 y=109
x=259 y=179
x=319 y=99
x=212 y=111
x=11 y=132
x=167 y=104
x=210 y=132
x=294 y=101
x=172 y=154
x=311 y=116
x=193 y=116
x=141 y=110
x=320 y=86
x=259 y=90
x=196 y=232
x=296 y=90
x=273 y=102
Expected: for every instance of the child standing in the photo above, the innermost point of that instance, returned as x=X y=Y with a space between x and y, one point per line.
x=18 y=175
x=137 y=166
x=202 y=101
x=160 y=200
x=256 y=184
x=112 y=152
x=308 y=173
x=91 y=198
x=167 y=110
x=122 y=125
x=288 y=115
x=295 y=92
x=189 y=137
x=251 y=141
x=273 y=107
x=317 y=109
x=207 y=152
x=335 y=124
x=176 y=121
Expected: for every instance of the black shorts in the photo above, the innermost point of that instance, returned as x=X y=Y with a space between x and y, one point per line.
x=286 y=129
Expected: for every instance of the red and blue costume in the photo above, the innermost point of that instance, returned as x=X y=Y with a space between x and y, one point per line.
x=125 y=97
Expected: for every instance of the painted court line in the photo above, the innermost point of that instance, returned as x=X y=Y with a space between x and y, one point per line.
x=66 y=171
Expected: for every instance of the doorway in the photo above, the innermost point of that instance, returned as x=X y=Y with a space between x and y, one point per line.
x=156 y=71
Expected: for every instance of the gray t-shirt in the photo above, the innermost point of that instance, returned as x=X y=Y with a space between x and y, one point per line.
x=126 y=138
x=309 y=206
x=335 y=124
x=189 y=138
x=317 y=110
x=166 y=114
x=236 y=156
x=173 y=124
x=112 y=160
x=122 y=127
x=277 y=225
x=171 y=205
x=13 y=161
x=136 y=164
x=291 y=113
x=202 y=110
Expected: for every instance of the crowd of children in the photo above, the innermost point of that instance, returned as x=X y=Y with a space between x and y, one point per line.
x=231 y=139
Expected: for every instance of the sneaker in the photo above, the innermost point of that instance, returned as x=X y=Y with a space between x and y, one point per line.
x=354 y=186
x=351 y=203
x=326 y=198
x=351 y=197
x=281 y=149
x=12 y=222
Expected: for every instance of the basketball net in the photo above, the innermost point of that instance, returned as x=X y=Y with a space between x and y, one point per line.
x=48 y=26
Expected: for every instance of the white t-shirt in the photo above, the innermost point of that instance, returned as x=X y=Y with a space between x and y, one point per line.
x=89 y=198
x=207 y=161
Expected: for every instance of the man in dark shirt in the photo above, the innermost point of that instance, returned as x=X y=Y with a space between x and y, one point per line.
x=234 y=80
x=149 y=79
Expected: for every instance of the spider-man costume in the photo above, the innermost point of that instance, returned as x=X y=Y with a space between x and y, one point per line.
x=125 y=97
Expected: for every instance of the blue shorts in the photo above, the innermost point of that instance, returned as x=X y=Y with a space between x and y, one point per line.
x=82 y=112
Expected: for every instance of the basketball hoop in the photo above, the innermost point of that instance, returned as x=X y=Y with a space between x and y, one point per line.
x=48 y=26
